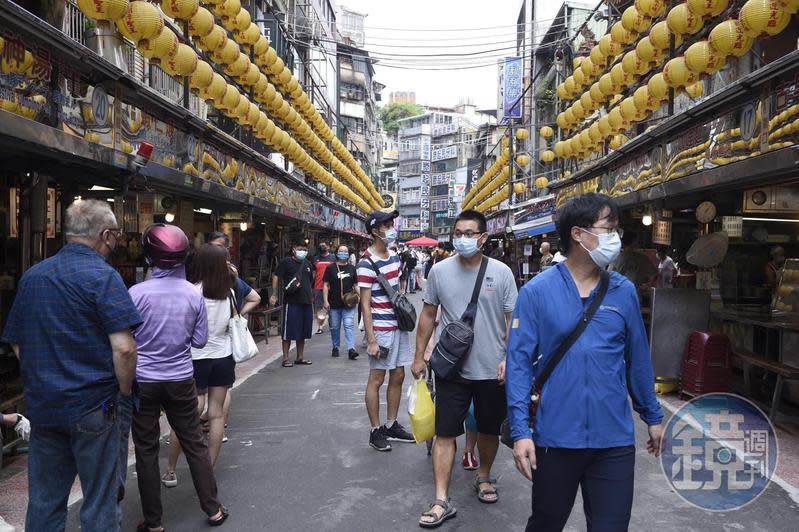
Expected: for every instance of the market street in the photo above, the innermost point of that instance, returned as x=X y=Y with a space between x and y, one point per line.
x=298 y=459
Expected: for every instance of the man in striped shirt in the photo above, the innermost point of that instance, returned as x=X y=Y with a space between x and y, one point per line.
x=388 y=348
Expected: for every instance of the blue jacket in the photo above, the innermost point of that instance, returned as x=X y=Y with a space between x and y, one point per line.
x=584 y=403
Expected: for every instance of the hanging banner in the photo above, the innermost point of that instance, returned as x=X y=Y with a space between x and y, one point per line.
x=511 y=83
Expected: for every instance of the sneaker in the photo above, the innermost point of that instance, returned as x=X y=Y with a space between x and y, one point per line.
x=170 y=479
x=469 y=461
x=224 y=438
x=398 y=433
x=5 y=527
x=353 y=354
x=378 y=439
x=335 y=352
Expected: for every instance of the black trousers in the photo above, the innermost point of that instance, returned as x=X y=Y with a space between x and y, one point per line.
x=605 y=476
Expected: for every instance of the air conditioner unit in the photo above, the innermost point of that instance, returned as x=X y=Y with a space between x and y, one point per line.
x=784 y=199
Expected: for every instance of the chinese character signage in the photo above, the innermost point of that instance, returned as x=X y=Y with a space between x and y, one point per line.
x=512 y=77
x=447 y=152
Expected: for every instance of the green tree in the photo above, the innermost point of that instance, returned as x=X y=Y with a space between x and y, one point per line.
x=393 y=112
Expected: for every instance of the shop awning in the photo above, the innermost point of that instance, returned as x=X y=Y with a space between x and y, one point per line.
x=535 y=227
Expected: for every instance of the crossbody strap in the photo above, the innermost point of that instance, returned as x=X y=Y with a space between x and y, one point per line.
x=471 y=309
x=382 y=280
x=604 y=281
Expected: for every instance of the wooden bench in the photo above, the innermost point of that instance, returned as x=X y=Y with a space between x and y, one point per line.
x=783 y=371
x=266 y=313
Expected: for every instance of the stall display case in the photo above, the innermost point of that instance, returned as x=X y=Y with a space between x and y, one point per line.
x=786 y=298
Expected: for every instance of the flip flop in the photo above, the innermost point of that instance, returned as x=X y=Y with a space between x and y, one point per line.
x=303 y=362
x=222 y=519
x=288 y=364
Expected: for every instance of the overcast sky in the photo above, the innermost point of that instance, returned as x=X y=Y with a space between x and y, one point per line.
x=447 y=87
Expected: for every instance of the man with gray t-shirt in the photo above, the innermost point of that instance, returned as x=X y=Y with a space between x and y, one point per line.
x=482 y=375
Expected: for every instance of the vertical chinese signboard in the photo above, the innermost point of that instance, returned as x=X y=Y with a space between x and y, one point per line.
x=425 y=152
x=511 y=87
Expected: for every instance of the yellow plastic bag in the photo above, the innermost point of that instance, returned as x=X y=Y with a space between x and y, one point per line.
x=422 y=411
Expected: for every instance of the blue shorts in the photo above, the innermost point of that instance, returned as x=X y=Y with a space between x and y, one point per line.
x=297 y=321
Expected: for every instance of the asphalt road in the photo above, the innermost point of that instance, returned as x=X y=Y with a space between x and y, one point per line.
x=298 y=459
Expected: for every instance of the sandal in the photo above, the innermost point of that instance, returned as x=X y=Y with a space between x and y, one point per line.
x=218 y=522
x=288 y=364
x=170 y=479
x=482 y=493
x=448 y=513
x=303 y=362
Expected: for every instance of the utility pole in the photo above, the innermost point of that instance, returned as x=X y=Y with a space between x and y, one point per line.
x=512 y=170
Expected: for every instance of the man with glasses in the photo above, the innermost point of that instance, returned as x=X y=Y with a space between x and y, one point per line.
x=481 y=378
x=70 y=326
x=583 y=434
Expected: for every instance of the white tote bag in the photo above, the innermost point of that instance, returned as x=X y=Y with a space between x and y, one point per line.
x=242 y=342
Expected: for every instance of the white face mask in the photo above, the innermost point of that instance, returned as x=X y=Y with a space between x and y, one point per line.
x=607 y=249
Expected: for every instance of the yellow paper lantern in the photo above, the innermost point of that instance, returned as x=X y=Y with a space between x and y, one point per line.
x=216 y=90
x=705 y=8
x=577 y=110
x=202 y=77
x=252 y=76
x=695 y=90
x=276 y=67
x=651 y=8
x=633 y=65
x=261 y=46
x=559 y=149
x=231 y=98
x=519 y=188
x=635 y=21
x=588 y=68
x=588 y=103
x=677 y=74
x=595 y=133
x=227 y=8
x=561 y=91
x=182 y=63
x=647 y=52
x=618 y=141
x=621 y=78
x=201 y=23
x=541 y=183
x=180 y=9
x=163 y=46
x=239 y=66
x=561 y=121
x=523 y=160
x=580 y=79
x=604 y=126
x=569 y=84
x=228 y=53
x=729 y=38
x=682 y=21
x=142 y=20
x=701 y=58
x=522 y=134
x=622 y=35
x=585 y=140
x=658 y=88
x=253 y=115
x=215 y=40
x=616 y=120
x=250 y=35
x=606 y=85
x=608 y=46
x=547 y=156
x=630 y=111
x=789 y=6
x=103 y=9
x=763 y=17
x=660 y=35
x=270 y=57
x=596 y=93
x=546 y=132
x=577 y=61
x=597 y=57
x=242 y=108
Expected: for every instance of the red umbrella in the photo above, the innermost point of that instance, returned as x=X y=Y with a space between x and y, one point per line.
x=422 y=241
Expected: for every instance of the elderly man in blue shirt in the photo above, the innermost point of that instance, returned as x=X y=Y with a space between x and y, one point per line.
x=583 y=434
x=70 y=326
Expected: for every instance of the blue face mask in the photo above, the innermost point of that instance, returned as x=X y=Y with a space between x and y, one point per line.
x=465 y=246
x=300 y=254
x=343 y=256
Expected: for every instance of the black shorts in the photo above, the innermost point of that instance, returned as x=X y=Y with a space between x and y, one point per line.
x=214 y=372
x=297 y=322
x=452 y=404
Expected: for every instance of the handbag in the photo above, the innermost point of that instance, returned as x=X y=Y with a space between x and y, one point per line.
x=241 y=341
x=404 y=310
x=351 y=298
x=566 y=344
x=457 y=337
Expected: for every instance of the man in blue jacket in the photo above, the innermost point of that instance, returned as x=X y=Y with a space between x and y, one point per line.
x=583 y=434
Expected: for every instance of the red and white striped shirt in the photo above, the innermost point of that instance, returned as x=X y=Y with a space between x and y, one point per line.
x=383 y=318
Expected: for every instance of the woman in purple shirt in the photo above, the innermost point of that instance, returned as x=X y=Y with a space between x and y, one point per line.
x=175 y=321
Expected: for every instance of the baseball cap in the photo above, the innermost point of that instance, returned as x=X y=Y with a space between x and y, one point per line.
x=378 y=218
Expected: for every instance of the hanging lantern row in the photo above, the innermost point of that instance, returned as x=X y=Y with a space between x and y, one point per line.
x=486 y=178
x=729 y=38
x=142 y=23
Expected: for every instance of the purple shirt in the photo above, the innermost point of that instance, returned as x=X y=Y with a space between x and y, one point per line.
x=175 y=320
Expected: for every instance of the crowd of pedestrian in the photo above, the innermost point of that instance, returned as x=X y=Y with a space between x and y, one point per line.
x=548 y=369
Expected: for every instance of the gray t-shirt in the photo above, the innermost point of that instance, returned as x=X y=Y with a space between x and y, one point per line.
x=450 y=285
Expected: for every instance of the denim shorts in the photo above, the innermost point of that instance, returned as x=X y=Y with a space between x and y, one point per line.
x=399 y=350
x=214 y=372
